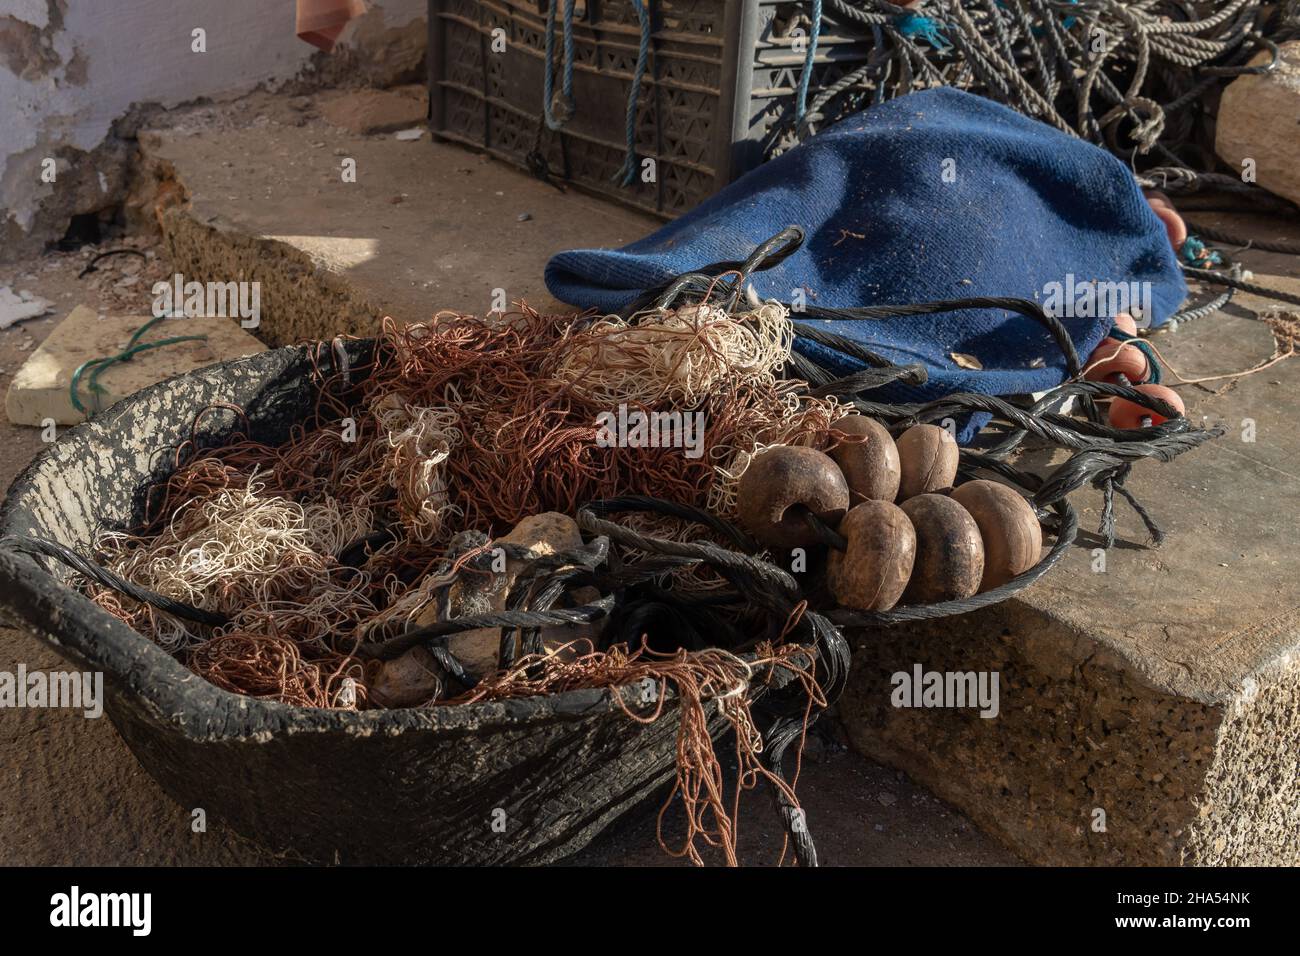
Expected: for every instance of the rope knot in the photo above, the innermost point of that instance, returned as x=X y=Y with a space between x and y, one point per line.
x=1197 y=253
x=562 y=110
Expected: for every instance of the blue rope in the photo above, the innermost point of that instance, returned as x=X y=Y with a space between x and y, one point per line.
x=1196 y=253
x=805 y=78
x=1069 y=21
x=1143 y=346
x=548 y=83
x=917 y=26
x=628 y=173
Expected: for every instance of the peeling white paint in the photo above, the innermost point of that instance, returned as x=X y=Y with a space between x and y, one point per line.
x=34 y=12
x=139 y=51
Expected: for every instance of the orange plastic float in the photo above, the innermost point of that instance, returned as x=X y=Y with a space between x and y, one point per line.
x=1126 y=414
x=1112 y=358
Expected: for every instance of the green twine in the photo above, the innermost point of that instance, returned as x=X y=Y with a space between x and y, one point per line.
x=1143 y=346
x=133 y=347
x=1196 y=253
x=919 y=27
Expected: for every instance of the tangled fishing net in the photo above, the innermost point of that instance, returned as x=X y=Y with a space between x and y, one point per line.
x=462 y=424
x=377 y=513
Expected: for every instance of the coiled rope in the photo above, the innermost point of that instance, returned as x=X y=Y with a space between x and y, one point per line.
x=1086 y=68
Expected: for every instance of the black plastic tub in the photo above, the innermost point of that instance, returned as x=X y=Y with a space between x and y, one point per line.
x=518 y=781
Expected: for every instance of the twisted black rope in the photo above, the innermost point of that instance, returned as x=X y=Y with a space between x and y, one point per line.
x=1116 y=449
x=1242 y=285
x=1066 y=531
x=757 y=582
x=1204 y=231
x=1026 y=307
x=51 y=549
x=577 y=567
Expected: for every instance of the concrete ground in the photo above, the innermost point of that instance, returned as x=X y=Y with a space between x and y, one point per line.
x=422 y=227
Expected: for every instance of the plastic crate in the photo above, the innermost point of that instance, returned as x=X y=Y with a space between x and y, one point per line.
x=716 y=98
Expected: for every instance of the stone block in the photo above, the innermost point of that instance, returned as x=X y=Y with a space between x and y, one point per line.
x=41 y=389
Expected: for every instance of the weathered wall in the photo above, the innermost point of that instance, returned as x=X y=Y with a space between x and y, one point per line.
x=71 y=71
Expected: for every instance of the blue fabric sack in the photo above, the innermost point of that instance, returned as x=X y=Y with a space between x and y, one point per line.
x=936 y=195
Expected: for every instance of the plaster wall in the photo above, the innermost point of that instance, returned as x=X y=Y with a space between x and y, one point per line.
x=72 y=69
